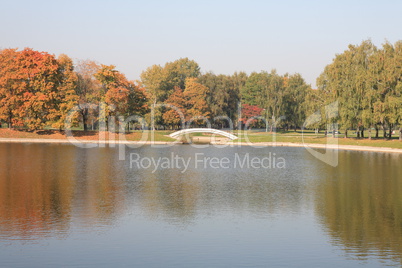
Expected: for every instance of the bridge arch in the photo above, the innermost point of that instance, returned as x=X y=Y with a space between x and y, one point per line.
x=202 y=130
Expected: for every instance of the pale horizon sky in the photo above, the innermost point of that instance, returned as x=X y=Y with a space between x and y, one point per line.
x=222 y=36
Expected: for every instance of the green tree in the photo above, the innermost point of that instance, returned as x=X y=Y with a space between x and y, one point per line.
x=178 y=71
x=223 y=96
x=346 y=80
x=294 y=95
x=388 y=84
x=160 y=82
x=266 y=90
x=314 y=110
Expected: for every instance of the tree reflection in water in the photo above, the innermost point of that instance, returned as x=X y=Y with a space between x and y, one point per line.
x=360 y=204
x=47 y=190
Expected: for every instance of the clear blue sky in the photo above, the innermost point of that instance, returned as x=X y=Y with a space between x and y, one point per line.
x=222 y=36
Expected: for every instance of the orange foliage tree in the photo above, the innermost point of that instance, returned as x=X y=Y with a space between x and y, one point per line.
x=251 y=114
x=196 y=104
x=10 y=90
x=172 y=117
x=67 y=97
x=123 y=97
x=38 y=74
x=29 y=87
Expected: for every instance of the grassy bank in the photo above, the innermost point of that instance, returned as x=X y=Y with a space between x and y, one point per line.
x=244 y=136
x=311 y=137
x=85 y=135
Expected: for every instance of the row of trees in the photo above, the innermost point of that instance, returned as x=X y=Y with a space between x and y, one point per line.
x=224 y=99
x=38 y=90
x=197 y=97
x=281 y=98
x=367 y=83
x=360 y=89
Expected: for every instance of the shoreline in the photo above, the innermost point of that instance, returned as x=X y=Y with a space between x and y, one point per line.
x=257 y=144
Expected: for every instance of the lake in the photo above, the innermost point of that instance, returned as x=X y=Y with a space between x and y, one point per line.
x=181 y=206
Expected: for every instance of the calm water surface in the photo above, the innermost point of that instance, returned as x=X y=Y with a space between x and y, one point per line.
x=65 y=206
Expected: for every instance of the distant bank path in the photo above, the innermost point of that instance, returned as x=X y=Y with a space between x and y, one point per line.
x=259 y=144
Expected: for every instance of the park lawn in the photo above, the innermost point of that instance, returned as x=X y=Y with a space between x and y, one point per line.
x=310 y=137
x=244 y=136
x=84 y=135
x=146 y=136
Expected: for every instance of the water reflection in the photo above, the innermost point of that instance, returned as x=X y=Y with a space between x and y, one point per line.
x=44 y=187
x=203 y=192
x=360 y=204
x=48 y=190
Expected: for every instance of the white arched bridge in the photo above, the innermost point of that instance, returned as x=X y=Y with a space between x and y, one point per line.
x=179 y=133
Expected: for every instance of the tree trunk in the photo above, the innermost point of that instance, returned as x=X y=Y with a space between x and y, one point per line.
x=346 y=133
x=400 y=133
x=153 y=116
x=84 y=114
x=376 y=132
x=369 y=133
x=362 y=133
x=384 y=131
x=358 y=133
x=84 y=122
x=10 y=122
x=390 y=133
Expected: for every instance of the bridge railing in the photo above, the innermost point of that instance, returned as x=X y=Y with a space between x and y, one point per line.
x=203 y=130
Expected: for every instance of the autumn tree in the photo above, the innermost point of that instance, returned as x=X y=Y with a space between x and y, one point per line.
x=173 y=114
x=29 y=88
x=67 y=98
x=88 y=90
x=196 y=106
x=130 y=100
x=39 y=74
x=250 y=114
x=123 y=97
x=160 y=82
x=11 y=90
